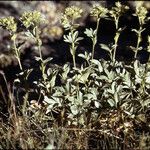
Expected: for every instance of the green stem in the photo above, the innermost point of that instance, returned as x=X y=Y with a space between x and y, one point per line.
x=38 y=42
x=73 y=49
x=43 y=66
x=17 y=53
x=40 y=51
x=74 y=61
x=116 y=40
x=116 y=22
x=78 y=89
x=95 y=38
x=139 y=38
x=42 y=63
x=144 y=79
x=115 y=46
x=138 y=43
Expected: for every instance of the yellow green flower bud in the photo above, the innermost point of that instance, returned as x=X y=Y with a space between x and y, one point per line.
x=141 y=12
x=31 y=19
x=9 y=24
x=70 y=15
x=118 y=10
x=99 y=11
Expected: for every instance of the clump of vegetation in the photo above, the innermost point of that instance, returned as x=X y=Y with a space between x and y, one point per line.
x=100 y=104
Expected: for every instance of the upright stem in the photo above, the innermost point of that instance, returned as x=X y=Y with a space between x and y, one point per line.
x=43 y=66
x=144 y=79
x=73 y=50
x=115 y=46
x=17 y=53
x=40 y=52
x=42 y=63
x=116 y=40
x=116 y=23
x=138 y=42
x=38 y=42
x=74 y=61
x=95 y=38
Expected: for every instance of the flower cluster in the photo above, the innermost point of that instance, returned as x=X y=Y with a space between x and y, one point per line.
x=118 y=10
x=99 y=11
x=73 y=12
x=70 y=14
x=32 y=19
x=141 y=12
x=9 y=24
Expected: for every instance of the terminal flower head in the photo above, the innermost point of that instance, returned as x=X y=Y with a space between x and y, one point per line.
x=70 y=15
x=9 y=24
x=32 y=19
x=99 y=11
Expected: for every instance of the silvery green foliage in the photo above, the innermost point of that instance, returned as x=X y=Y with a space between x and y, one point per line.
x=97 y=84
x=83 y=92
x=81 y=95
x=72 y=38
x=101 y=84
